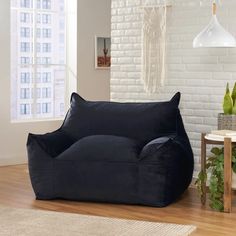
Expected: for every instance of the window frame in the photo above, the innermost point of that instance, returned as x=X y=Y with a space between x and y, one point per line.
x=30 y=61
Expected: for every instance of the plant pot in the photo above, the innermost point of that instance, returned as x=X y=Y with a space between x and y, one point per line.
x=227 y=122
x=233 y=180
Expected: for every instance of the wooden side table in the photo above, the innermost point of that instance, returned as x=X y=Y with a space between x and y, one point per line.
x=227 y=142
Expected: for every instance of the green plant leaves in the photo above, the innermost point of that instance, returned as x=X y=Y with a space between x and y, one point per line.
x=234 y=109
x=234 y=168
x=216 y=150
x=228 y=102
x=215 y=168
x=217 y=205
x=233 y=95
x=202 y=177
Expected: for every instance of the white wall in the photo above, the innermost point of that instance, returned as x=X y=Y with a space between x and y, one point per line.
x=94 y=18
x=12 y=136
x=199 y=74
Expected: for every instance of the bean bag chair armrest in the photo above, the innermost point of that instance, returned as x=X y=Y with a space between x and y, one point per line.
x=173 y=155
x=166 y=149
x=52 y=143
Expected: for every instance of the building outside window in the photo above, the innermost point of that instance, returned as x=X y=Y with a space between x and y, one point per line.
x=38 y=92
x=47 y=33
x=24 y=109
x=25 y=78
x=38 y=4
x=46 y=19
x=24 y=17
x=46 y=77
x=38 y=78
x=38 y=32
x=25 y=93
x=25 y=47
x=46 y=4
x=46 y=92
x=38 y=18
x=46 y=47
x=38 y=108
x=62 y=107
x=25 y=60
x=25 y=32
x=25 y=3
x=46 y=60
x=38 y=47
x=37 y=60
x=46 y=107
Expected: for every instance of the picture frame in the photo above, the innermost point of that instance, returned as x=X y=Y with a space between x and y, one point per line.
x=102 y=52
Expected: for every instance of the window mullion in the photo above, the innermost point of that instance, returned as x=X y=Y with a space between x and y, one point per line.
x=34 y=62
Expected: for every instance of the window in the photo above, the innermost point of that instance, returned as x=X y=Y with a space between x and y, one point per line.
x=46 y=92
x=46 y=47
x=46 y=19
x=46 y=77
x=25 y=78
x=24 y=17
x=38 y=4
x=46 y=107
x=25 y=60
x=38 y=32
x=37 y=95
x=62 y=24
x=24 y=109
x=62 y=108
x=40 y=77
x=38 y=18
x=38 y=47
x=38 y=108
x=25 y=32
x=46 y=60
x=61 y=38
x=46 y=4
x=38 y=92
x=47 y=33
x=25 y=47
x=25 y=93
x=25 y=3
x=38 y=60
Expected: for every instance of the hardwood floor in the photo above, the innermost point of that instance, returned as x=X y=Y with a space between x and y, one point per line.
x=16 y=191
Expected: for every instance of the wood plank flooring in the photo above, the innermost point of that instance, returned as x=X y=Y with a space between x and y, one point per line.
x=16 y=191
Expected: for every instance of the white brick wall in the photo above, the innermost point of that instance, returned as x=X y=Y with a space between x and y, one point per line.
x=199 y=74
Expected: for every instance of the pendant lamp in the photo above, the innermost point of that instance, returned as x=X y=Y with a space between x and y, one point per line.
x=214 y=35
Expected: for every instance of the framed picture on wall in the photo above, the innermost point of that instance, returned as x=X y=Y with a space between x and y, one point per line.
x=102 y=52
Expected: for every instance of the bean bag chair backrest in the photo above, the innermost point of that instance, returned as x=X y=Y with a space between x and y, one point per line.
x=140 y=121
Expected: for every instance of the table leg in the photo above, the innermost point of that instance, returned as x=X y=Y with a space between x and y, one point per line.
x=203 y=168
x=227 y=175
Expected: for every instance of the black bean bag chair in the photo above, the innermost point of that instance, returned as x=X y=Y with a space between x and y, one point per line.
x=132 y=153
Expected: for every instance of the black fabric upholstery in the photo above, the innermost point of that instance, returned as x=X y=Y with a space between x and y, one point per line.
x=141 y=121
x=102 y=148
x=53 y=143
x=132 y=153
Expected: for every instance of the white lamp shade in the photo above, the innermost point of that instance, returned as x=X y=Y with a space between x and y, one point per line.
x=214 y=35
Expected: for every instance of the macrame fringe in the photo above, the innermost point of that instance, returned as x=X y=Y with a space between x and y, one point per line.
x=153 y=47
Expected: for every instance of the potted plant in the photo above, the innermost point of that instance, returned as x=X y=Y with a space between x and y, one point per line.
x=215 y=174
x=215 y=163
x=227 y=120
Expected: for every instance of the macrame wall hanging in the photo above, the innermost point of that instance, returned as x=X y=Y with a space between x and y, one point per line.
x=153 y=47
